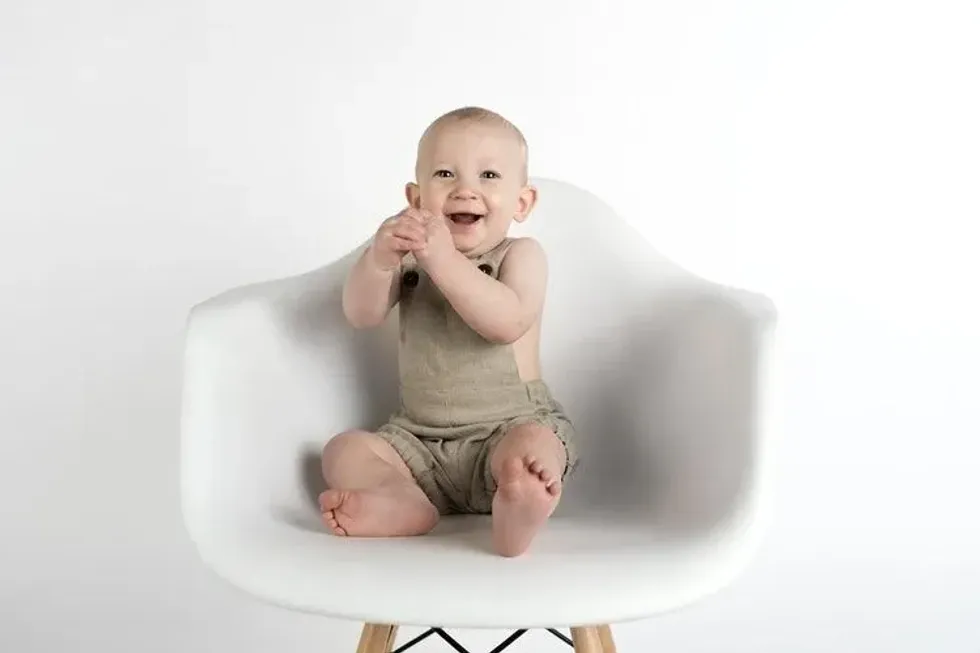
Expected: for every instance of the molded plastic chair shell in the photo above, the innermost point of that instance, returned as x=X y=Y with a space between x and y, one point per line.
x=664 y=373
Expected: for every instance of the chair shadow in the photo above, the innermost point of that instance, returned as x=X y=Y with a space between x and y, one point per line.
x=682 y=400
x=311 y=477
x=704 y=350
x=315 y=319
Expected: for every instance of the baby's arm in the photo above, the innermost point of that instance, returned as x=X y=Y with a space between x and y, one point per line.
x=500 y=311
x=369 y=292
x=372 y=287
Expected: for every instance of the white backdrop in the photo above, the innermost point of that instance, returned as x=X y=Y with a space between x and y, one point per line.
x=153 y=154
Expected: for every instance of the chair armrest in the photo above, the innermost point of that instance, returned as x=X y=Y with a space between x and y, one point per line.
x=700 y=406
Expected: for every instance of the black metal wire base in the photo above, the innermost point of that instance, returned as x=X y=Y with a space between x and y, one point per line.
x=459 y=647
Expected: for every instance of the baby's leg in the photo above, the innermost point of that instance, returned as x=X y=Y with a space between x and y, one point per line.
x=527 y=465
x=372 y=492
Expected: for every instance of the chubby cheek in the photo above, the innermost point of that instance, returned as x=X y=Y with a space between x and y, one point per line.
x=504 y=208
x=433 y=199
x=494 y=204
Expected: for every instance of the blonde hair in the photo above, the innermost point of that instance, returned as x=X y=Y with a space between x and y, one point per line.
x=477 y=115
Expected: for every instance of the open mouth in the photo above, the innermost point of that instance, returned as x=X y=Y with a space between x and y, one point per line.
x=465 y=218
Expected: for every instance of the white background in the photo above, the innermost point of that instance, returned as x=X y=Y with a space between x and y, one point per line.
x=825 y=153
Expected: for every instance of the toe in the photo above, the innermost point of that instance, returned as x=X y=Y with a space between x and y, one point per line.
x=330 y=519
x=330 y=500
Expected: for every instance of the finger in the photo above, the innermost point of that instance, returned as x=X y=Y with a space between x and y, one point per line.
x=400 y=240
x=405 y=226
x=406 y=244
x=408 y=230
x=422 y=216
x=411 y=225
x=408 y=214
x=415 y=215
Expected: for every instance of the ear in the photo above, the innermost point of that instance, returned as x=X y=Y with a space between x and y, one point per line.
x=526 y=203
x=414 y=195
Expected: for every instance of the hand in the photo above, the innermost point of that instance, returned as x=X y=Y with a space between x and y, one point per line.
x=439 y=242
x=398 y=235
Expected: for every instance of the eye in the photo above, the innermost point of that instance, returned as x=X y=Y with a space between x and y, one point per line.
x=445 y=174
x=490 y=174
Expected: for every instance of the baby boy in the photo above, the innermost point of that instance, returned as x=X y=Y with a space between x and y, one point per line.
x=477 y=429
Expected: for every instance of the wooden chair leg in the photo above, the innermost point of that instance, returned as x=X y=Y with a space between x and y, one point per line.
x=586 y=639
x=390 y=644
x=377 y=638
x=605 y=636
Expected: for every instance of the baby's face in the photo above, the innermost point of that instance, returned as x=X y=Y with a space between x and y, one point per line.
x=473 y=174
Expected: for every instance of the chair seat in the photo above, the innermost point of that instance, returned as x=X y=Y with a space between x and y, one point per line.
x=584 y=569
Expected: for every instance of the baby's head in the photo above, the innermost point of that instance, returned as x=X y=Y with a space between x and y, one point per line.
x=471 y=168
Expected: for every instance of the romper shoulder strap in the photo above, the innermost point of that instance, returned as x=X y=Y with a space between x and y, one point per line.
x=490 y=261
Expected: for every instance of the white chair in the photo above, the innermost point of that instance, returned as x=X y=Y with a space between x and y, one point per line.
x=663 y=372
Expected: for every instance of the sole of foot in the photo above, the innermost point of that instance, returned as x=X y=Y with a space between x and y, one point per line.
x=393 y=511
x=527 y=494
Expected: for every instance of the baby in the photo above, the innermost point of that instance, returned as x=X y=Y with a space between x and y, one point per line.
x=477 y=430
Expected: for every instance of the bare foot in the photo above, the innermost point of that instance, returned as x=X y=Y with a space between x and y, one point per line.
x=527 y=494
x=395 y=510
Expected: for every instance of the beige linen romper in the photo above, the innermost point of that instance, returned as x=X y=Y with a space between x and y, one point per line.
x=459 y=395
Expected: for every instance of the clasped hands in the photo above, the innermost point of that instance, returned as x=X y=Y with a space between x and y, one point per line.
x=418 y=231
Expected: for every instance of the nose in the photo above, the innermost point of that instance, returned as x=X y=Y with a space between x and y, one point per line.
x=463 y=191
